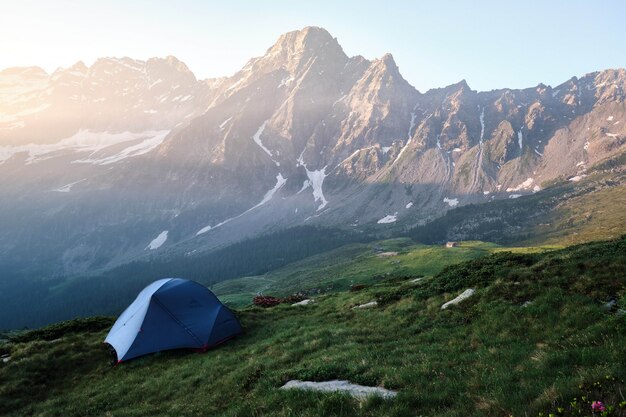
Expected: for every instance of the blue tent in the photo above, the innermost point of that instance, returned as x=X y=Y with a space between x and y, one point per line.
x=171 y=313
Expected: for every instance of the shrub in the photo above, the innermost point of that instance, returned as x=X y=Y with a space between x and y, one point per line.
x=265 y=301
x=269 y=301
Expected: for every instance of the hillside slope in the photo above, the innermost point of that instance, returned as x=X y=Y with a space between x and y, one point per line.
x=570 y=210
x=355 y=264
x=537 y=336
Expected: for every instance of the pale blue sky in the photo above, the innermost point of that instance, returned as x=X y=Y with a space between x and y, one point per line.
x=492 y=44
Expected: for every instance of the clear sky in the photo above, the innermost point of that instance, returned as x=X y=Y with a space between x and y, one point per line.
x=491 y=44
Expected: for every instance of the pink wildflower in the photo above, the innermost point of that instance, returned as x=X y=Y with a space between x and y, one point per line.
x=597 y=406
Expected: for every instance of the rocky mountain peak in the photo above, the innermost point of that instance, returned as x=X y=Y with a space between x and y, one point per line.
x=458 y=87
x=298 y=47
x=388 y=61
x=79 y=67
x=310 y=37
x=171 y=62
x=383 y=73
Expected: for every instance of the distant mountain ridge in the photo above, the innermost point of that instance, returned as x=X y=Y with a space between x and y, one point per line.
x=128 y=158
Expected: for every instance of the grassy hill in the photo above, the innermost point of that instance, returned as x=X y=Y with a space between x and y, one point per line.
x=564 y=213
x=338 y=269
x=537 y=337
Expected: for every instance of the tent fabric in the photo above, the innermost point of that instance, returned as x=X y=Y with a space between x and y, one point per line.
x=168 y=314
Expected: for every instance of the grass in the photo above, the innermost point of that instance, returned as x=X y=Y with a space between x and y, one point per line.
x=338 y=269
x=562 y=214
x=595 y=216
x=492 y=355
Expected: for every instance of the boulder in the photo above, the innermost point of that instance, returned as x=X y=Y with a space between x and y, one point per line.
x=354 y=390
x=463 y=296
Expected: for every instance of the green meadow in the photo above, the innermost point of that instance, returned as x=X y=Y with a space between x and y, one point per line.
x=536 y=339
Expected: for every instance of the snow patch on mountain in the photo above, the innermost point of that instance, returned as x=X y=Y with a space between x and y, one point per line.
x=223 y=124
x=159 y=81
x=67 y=187
x=204 y=230
x=339 y=99
x=280 y=181
x=409 y=205
x=316 y=179
x=306 y=184
x=520 y=138
x=88 y=141
x=482 y=124
x=158 y=241
x=140 y=148
x=452 y=202
x=411 y=125
x=300 y=160
x=409 y=136
x=257 y=140
x=286 y=82
x=390 y=218
x=353 y=154
x=526 y=184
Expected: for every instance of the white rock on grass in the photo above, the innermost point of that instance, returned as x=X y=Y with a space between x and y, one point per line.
x=416 y=280
x=303 y=302
x=367 y=305
x=463 y=296
x=387 y=254
x=355 y=390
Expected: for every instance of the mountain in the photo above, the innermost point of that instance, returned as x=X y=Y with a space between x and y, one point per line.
x=128 y=159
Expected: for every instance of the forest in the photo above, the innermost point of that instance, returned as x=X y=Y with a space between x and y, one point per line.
x=27 y=301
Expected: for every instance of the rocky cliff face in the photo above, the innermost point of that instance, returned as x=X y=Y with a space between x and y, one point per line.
x=107 y=163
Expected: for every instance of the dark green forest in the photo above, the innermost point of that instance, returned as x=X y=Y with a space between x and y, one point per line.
x=26 y=301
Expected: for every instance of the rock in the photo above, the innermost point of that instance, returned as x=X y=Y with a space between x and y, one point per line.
x=6 y=358
x=387 y=254
x=303 y=302
x=416 y=280
x=355 y=390
x=526 y=303
x=464 y=295
x=367 y=305
x=612 y=303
